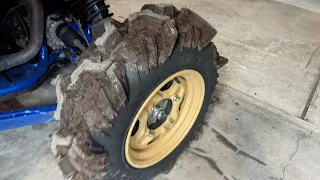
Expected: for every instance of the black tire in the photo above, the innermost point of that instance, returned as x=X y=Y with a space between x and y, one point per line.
x=97 y=103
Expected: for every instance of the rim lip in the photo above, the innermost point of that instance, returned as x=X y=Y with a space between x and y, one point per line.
x=187 y=74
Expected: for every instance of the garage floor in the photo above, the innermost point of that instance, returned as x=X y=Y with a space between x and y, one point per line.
x=265 y=123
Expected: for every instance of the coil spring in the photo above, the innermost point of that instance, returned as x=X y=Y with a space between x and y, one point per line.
x=89 y=11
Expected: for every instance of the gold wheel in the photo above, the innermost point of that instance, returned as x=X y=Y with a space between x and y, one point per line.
x=164 y=119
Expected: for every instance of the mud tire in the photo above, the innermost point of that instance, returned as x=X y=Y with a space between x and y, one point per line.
x=97 y=102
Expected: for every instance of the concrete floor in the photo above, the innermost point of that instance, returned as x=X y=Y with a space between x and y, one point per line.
x=265 y=124
x=245 y=141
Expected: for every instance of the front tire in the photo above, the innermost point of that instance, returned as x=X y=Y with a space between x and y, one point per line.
x=100 y=103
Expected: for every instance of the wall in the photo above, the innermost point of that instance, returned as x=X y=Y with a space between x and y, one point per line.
x=312 y=5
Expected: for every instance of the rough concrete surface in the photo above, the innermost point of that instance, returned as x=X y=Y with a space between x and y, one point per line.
x=254 y=131
x=25 y=154
x=243 y=141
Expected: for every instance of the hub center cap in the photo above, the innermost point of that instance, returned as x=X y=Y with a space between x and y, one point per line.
x=159 y=114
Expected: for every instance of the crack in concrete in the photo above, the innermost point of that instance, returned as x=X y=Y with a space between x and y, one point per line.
x=295 y=152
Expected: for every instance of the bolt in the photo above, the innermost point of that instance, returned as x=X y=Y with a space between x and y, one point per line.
x=161 y=115
x=170 y=123
x=149 y=134
x=176 y=99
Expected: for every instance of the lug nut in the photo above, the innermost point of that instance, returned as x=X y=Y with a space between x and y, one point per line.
x=149 y=134
x=170 y=123
x=176 y=99
x=161 y=115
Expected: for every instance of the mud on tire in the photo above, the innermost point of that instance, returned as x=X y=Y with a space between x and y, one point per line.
x=97 y=102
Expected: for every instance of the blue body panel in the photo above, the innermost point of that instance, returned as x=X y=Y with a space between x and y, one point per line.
x=88 y=33
x=24 y=76
x=26 y=117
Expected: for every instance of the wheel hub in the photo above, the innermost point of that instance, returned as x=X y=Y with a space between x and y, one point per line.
x=159 y=114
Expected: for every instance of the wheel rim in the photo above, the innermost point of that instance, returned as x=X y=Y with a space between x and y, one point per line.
x=158 y=128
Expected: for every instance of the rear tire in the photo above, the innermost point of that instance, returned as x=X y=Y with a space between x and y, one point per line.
x=97 y=103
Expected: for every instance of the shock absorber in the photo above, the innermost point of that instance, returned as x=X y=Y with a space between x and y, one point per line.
x=89 y=11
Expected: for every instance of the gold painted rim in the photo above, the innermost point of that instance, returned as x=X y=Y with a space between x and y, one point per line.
x=146 y=147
